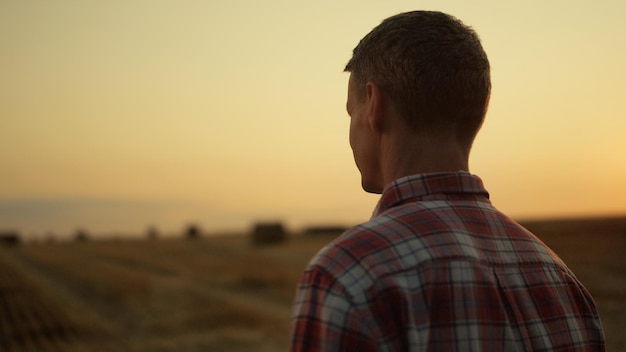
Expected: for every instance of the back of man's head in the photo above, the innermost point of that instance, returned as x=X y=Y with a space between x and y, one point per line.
x=432 y=67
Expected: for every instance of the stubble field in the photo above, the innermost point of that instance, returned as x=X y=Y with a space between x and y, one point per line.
x=221 y=293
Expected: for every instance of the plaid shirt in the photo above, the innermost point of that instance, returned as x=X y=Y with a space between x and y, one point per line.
x=437 y=268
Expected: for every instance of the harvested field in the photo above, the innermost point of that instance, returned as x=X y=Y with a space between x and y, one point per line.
x=220 y=293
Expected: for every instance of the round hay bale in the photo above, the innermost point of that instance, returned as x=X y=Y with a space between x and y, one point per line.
x=81 y=235
x=9 y=238
x=193 y=232
x=268 y=233
x=152 y=233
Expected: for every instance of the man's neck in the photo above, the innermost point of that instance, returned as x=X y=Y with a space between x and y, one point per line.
x=421 y=156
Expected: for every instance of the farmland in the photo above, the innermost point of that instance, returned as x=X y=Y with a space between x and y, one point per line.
x=220 y=293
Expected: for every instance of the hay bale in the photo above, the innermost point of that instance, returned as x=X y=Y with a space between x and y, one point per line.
x=152 y=233
x=81 y=236
x=268 y=233
x=9 y=238
x=192 y=232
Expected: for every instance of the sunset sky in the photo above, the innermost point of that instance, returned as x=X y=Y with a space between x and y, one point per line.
x=118 y=115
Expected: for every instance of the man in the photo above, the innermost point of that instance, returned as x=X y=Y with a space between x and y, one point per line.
x=437 y=268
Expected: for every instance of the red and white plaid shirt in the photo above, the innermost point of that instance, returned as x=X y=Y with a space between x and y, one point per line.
x=438 y=268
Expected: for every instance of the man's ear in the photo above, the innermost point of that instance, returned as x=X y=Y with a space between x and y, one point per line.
x=375 y=112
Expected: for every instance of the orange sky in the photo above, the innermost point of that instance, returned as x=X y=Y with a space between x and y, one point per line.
x=117 y=115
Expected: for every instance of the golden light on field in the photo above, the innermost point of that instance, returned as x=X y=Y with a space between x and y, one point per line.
x=117 y=115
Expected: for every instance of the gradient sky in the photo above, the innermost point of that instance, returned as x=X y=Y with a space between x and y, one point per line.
x=116 y=115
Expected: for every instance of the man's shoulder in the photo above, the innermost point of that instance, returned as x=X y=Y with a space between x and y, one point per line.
x=389 y=236
x=355 y=260
x=411 y=235
x=360 y=242
x=353 y=245
x=371 y=250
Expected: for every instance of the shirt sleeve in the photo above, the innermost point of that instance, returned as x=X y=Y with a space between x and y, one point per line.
x=324 y=318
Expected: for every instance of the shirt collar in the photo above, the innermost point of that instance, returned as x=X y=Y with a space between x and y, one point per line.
x=431 y=186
